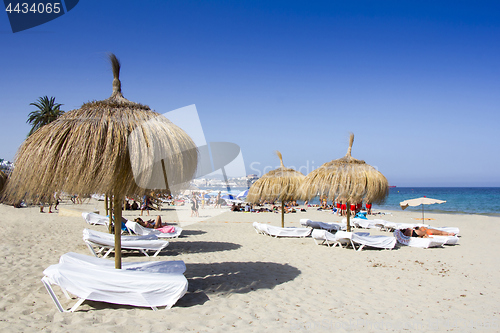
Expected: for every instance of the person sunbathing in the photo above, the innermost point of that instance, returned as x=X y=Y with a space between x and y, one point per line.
x=424 y=232
x=156 y=224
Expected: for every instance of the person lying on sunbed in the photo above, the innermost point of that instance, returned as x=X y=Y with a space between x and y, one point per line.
x=153 y=224
x=424 y=232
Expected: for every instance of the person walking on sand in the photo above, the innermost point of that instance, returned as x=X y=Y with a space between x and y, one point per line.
x=194 y=207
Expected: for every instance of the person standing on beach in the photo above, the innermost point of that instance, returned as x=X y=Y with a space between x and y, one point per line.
x=145 y=204
x=368 y=208
x=218 y=201
x=194 y=206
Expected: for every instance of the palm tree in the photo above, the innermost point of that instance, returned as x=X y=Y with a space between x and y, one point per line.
x=48 y=111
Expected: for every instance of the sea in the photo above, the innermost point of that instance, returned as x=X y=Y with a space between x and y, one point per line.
x=459 y=200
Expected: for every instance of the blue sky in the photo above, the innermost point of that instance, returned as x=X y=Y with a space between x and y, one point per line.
x=416 y=82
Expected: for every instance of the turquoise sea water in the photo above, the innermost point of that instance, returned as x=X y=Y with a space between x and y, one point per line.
x=459 y=200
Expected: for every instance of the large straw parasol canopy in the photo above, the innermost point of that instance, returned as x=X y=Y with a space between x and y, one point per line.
x=87 y=150
x=93 y=150
x=280 y=184
x=346 y=179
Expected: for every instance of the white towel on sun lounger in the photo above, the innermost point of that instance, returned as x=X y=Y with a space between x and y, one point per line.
x=138 y=229
x=448 y=240
x=365 y=239
x=362 y=223
x=321 y=236
x=118 y=286
x=330 y=226
x=141 y=243
x=175 y=266
x=95 y=219
x=282 y=232
x=378 y=241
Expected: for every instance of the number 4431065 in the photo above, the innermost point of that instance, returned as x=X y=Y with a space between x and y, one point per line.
x=25 y=8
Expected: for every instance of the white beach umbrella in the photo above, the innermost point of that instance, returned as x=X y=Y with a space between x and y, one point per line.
x=420 y=201
x=243 y=194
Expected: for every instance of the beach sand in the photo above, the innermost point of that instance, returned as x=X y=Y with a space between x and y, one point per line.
x=241 y=280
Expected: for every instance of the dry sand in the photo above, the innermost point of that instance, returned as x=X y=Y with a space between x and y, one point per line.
x=243 y=281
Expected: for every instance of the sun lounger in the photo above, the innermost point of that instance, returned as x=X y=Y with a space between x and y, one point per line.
x=118 y=286
x=375 y=241
x=124 y=237
x=453 y=230
x=138 y=229
x=258 y=228
x=362 y=223
x=448 y=240
x=362 y=239
x=175 y=266
x=330 y=226
x=140 y=243
x=423 y=243
x=95 y=219
x=282 y=232
x=391 y=226
x=322 y=236
x=263 y=229
x=365 y=240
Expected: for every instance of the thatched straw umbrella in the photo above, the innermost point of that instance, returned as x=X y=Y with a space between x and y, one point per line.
x=106 y=147
x=348 y=179
x=280 y=184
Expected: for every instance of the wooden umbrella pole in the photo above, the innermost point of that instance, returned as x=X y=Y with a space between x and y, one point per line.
x=348 y=216
x=106 y=204
x=423 y=213
x=282 y=213
x=118 y=231
x=110 y=215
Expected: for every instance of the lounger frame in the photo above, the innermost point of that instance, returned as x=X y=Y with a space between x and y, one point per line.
x=102 y=247
x=48 y=285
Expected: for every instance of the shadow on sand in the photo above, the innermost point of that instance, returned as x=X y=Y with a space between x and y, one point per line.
x=192 y=232
x=227 y=278
x=176 y=248
x=221 y=279
x=180 y=247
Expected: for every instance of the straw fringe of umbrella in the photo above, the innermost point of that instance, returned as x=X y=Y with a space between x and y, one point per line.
x=3 y=180
x=280 y=184
x=347 y=179
x=86 y=151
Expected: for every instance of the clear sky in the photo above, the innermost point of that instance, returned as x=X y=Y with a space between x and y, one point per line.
x=417 y=82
